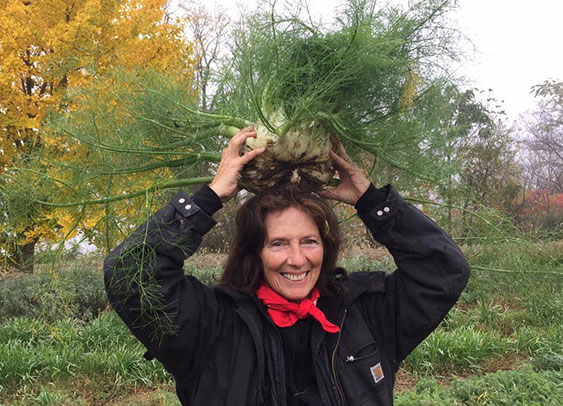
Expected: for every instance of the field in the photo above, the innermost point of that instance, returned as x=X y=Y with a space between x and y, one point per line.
x=501 y=345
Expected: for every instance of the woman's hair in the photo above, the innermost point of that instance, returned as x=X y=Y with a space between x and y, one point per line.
x=243 y=270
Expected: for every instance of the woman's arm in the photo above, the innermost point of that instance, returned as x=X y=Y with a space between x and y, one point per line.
x=432 y=270
x=174 y=316
x=146 y=286
x=431 y=273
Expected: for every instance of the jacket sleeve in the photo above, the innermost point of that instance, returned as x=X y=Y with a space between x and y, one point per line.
x=175 y=316
x=431 y=272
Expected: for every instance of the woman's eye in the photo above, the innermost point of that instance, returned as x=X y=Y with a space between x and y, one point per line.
x=310 y=241
x=277 y=244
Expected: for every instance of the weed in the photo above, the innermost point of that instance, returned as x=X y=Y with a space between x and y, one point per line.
x=356 y=264
x=103 y=349
x=58 y=348
x=534 y=340
x=209 y=276
x=524 y=387
x=50 y=397
x=77 y=293
x=457 y=350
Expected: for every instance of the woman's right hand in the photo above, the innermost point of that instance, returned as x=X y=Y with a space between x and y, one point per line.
x=225 y=182
x=353 y=181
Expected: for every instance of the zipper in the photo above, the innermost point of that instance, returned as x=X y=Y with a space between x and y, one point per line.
x=340 y=392
x=351 y=358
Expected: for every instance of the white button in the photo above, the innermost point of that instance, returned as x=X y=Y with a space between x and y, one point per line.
x=379 y=213
x=386 y=209
x=188 y=206
x=182 y=200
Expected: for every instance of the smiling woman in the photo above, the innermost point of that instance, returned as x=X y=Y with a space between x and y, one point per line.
x=285 y=326
x=293 y=253
x=279 y=242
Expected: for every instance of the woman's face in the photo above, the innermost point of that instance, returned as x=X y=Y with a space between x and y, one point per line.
x=293 y=253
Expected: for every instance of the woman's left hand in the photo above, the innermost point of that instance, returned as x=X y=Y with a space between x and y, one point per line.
x=225 y=182
x=353 y=182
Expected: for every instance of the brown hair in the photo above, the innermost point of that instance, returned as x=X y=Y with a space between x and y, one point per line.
x=243 y=270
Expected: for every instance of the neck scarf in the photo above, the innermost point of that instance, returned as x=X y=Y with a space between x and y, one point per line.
x=285 y=313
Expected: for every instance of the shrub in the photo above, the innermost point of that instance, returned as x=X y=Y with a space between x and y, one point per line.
x=77 y=293
x=458 y=350
x=34 y=352
x=524 y=387
x=208 y=276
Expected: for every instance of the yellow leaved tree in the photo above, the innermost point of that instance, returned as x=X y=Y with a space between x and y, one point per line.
x=51 y=49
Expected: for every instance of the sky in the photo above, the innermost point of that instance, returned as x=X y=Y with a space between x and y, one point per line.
x=512 y=45
x=519 y=44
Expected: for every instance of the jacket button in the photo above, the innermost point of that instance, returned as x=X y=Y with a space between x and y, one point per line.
x=188 y=206
x=386 y=209
x=182 y=200
x=379 y=213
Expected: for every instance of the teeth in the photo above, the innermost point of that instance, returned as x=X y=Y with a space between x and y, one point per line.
x=292 y=277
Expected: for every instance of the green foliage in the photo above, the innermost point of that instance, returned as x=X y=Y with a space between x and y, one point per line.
x=539 y=341
x=77 y=293
x=208 y=276
x=356 y=78
x=48 y=398
x=469 y=154
x=549 y=360
x=357 y=264
x=33 y=351
x=455 y=351
x=523 y=387
x=512 y=320
x=515 y=272
x=510 y=309
x=137 y=133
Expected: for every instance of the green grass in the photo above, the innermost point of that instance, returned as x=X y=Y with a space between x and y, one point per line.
x=524 y=387
x=35 y=353
x=50 y=295
x=456 y=351
x=502 y=344
x=356 y=264
x=205 y=275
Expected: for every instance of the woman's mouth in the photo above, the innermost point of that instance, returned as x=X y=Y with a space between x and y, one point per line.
x=295 y=277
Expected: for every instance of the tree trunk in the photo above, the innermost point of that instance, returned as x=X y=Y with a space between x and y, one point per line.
x=25 y=257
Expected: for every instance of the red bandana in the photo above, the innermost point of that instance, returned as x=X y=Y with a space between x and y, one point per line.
x=285 y=313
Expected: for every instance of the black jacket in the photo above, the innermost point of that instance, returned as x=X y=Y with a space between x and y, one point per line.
x=222 y=347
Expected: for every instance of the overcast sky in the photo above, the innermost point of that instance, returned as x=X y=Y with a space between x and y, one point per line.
x=517 y=44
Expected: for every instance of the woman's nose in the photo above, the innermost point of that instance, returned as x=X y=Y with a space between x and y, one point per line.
x=296 y=257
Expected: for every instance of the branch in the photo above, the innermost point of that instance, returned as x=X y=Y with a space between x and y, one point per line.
x=482 y=268
x=160 y=186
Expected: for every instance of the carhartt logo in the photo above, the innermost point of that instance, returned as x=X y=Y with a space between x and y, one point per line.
x=377 y=372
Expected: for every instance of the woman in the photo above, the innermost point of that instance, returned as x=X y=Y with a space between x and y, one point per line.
x=284 y=326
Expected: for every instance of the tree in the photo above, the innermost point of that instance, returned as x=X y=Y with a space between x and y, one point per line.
x=208 y=31
x=468 y=153
x=449 y=118
x=140 y=134
x=489 y=169
x=51 y=48
x=543 y=134
x=543 y=210
x=542 y=160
